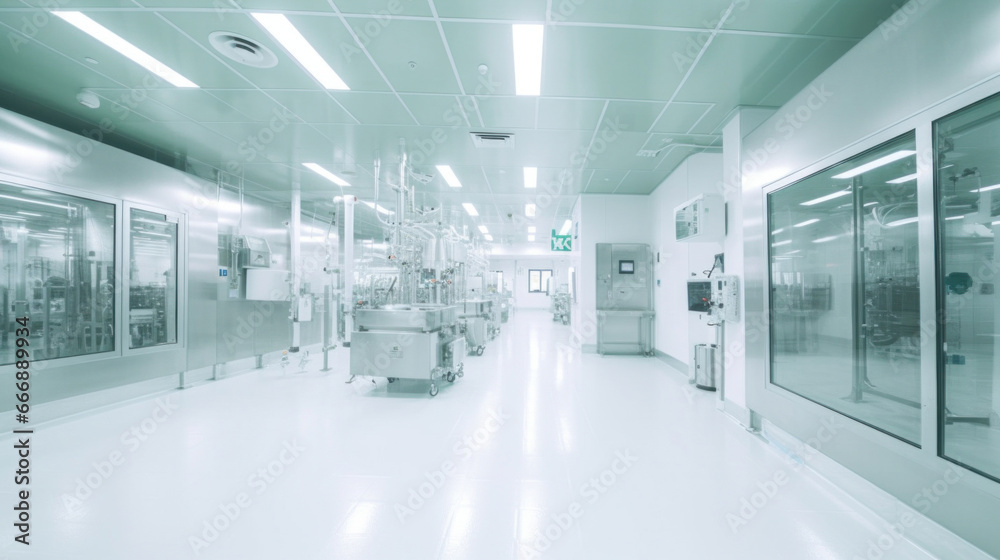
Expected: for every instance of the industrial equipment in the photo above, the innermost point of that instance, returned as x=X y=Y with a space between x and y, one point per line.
x=560 y=307
x=624 y=299
x=415 y=295
x=408 y=342
x=475 y=319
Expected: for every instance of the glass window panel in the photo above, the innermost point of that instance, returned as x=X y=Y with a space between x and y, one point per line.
x=845 y=315
x=534 y=281
x=57 y=267
x=152 y=280
x=968 y=219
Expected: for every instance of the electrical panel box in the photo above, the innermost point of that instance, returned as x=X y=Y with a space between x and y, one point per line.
x=726 y=297
x=254 y=252
x=701 y=219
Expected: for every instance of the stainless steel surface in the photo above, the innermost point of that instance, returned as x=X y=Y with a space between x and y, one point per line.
x=706 y=366
x=403 y=355
x=624 y=298
x=406 y=318
x=476 y=334
x=625 y=332
x=473 y=307
x=46 y=157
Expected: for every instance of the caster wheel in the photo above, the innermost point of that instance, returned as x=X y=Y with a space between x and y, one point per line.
x=451 y=377
x=434 y=390
x=480 y=351
x=392 y=380
x=461 y=373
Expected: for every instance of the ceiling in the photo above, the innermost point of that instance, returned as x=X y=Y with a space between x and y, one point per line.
x=617 y=78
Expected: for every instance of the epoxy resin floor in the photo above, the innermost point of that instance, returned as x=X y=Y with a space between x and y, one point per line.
x=538 y=452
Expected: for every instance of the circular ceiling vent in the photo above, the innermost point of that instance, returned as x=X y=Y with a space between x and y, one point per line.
x=243 y=49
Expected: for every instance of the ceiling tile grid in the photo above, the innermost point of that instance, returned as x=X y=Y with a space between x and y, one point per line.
x=629 y=88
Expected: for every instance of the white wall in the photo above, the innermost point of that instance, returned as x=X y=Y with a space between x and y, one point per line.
x=931 y=58
x=677 y=329
x=515 y=273
x=603 y=219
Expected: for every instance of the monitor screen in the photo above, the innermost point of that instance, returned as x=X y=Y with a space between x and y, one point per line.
x=626 y=267
x=699 y=295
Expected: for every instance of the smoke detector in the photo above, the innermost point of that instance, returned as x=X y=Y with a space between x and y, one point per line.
x=88 y=99
x=242 y=49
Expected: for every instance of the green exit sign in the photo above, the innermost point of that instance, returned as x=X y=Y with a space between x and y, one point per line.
x=561 y=242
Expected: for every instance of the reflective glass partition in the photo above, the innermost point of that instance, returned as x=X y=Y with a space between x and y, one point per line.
x=152 y=309
x=57 y=267
x=968 y=218
x=844 y=300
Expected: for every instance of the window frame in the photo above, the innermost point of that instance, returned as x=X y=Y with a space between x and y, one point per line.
x=541 y=280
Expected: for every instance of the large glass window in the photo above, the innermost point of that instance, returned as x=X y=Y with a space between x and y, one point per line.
x=968 y=218
x=845 y=321
x=538 y=280
x=152 y=309
x=57 y=267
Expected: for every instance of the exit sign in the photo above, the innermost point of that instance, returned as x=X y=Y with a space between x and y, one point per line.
x=561 y=242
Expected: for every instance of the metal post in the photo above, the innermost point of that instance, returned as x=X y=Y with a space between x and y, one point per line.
x=259 y=361
x=348 y=269
x=296 y=262
x=858 y=295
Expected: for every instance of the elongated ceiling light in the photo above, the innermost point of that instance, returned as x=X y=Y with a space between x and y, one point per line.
x=449 y=176
x=285 y=33
x=484 y=229
x=326 y=174
x=470 y=209
x=137 y=55
x=806 y=223
x=530 y=177
x=895 y=156
x=903 y=179
x=528 y=41
x=529 y=210
x=826 y=198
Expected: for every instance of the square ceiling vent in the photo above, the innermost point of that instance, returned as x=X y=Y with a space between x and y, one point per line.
x=492 y=139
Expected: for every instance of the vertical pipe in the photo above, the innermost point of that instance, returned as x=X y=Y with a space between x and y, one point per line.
x=347 y=269
x=296 y=261
x=858 y=296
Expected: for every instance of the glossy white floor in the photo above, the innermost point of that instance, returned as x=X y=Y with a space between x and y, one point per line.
x=391 y=473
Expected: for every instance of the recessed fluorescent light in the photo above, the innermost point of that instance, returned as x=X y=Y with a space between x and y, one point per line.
x=896 y=156
x=528 y=41
x=822 y=199
x=29 y=214
x=904 y=179
x=780 y=243
x=326 y=174
x=955 y=218
x=567 y=225
x=807 y=223
x=488 y=237
x=532 y=229
x=449 y=176
x=531 y=239
x=470 y=209
x=285 y=33
x=530 y=177
x=825 y=239
x=996 y=223
x=378 y=208
x=529 y=210
x=987 y=189
x=38 y=202
x=777 y=231
x=137 y=55
x=867 y=204
x=13 y=218
x=484 y=229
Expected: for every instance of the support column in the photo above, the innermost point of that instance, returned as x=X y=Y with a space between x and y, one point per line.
x=296 y=262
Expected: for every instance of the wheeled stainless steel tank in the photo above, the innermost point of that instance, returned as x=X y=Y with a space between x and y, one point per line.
x=408 y=342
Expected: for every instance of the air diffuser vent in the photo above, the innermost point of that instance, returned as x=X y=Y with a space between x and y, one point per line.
x=492 y=140
x=242 y=49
